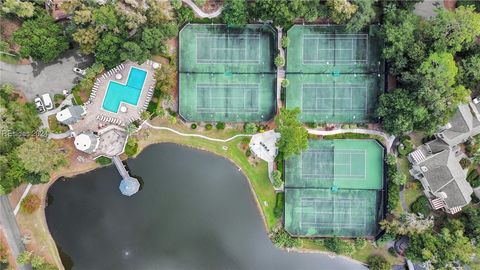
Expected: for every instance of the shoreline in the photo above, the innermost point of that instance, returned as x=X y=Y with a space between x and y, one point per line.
x=144 y=144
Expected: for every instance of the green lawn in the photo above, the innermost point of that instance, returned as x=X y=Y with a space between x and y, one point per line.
x=413 y=188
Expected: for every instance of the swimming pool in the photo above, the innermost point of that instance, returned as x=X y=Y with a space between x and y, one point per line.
x=128 y=93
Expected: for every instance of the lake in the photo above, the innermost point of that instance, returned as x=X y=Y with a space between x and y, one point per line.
x=194 y=211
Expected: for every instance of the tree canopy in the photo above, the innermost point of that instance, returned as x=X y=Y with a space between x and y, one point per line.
x=41 y=38
x=235 y=12
x=294 y=136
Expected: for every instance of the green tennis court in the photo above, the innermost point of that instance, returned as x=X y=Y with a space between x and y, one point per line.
x=334 y=99
x=323 y=212
x=334 y=188
x=227 y=74
x=353 y=164
x=335 y=77
x=239 y=98
x=329 y=48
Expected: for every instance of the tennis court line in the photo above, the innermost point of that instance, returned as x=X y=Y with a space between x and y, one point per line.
x=334 y=224
x=330 y=176
x=326 y=87
x=354 y=38
x=211 y=38
x=244 y=89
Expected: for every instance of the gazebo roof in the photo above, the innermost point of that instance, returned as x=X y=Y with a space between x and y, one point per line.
x=129 y=186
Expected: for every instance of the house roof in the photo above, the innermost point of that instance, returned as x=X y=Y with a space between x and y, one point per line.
x=462 y=125
x=86 y=142
x=444 y=173
x=70 y=115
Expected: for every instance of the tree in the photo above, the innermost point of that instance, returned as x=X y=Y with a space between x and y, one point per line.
x=421 y=206
x=436 y=91
x=285 y=83
x=440 y=249
x=82 y=16
x=19 y=8
x=278 y=11
x=152 y=39
x=158 y=12
x=452 y=31
x=235 y=12
x=131 y=148
x=341 y=10
x=107 y=50
x=40 y=156
x=184 y=14
x=87 y=39
x=399 y=178
x=398 y=111
x=293 y=135
x=165 y=79
x=41 y=38
x=285 y=41
x=250 y=128
x=282 y=239
x=469 y=72
x=279 y=61
x=132 y=51
x=362 y=17
x=106 y=18
x=378 y=262
x=407 y=224
x=403 y=49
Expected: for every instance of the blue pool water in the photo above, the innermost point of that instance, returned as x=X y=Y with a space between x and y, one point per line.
x=129 y=93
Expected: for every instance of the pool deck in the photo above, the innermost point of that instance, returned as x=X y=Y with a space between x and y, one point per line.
x=94 y=106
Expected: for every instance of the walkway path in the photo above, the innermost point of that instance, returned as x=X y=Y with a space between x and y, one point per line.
x=200 y=13
x=403 y=202
x=11 y=230
x=388 y=139
x=195 y=135
x=120 y=167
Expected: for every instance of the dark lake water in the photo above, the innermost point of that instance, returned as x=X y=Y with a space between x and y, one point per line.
x=195 y=211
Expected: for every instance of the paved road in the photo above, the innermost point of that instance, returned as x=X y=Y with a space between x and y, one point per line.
x=40 y=78
x=10 y=228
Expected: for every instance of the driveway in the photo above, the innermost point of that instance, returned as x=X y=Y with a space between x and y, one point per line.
x=40 y=78
x=426 y=9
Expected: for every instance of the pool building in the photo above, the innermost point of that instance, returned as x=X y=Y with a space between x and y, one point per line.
x=118 y=98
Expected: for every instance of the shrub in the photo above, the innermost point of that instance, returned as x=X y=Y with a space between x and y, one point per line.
x=132 y=147
x=248 y=152
x=279 y=61
x=385 y=239
x=398 y=178
x=250 y=128
x=393 y=195
x=378 y=262
x=282 y=239
x=103 y=161
x=473 y=178
x=30 y=203
x=24 y=258
x=193 y=126
x=421 y=206
x=277 y=179
x=338 y=245
x=220 y=125
x=285 y=83
x=285 y=41
x=208 y=126
x=465 y=163
x=360 y=243
x=279 y=205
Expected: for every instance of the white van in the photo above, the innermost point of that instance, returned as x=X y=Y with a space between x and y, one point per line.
x=47 y=101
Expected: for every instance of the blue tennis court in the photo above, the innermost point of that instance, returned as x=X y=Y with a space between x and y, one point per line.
x=129 y=93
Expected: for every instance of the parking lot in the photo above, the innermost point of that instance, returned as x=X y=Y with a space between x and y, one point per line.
x=39 y=78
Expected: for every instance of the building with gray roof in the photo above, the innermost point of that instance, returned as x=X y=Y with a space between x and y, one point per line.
x=71 y=115
x=436 y=164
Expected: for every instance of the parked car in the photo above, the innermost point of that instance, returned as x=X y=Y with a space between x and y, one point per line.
x=39 y=105
x=47 y=101
x=79 y=71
